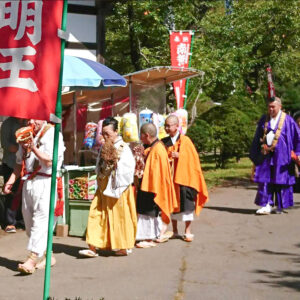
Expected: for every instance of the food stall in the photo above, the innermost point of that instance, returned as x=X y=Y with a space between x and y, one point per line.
x=145 y=91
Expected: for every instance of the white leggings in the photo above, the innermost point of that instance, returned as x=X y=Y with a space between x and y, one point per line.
x=35 y=209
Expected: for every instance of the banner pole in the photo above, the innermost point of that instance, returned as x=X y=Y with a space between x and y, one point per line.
x=58 y=112
x=190 y=62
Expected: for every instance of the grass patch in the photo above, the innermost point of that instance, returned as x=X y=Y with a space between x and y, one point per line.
x=234 y=171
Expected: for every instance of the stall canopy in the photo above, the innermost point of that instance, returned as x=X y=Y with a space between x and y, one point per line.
x=152 y=77
x=144 y=89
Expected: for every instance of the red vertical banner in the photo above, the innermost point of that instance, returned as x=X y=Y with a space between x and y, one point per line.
x=271 y=87
x=30 y=57
x=180 y=45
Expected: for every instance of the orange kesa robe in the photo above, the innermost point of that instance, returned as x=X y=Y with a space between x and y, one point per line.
x=188 y=172
x=157 y=179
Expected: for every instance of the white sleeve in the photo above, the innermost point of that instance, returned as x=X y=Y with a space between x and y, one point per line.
x=47 y=143
x=124 y=174
x=126 y=167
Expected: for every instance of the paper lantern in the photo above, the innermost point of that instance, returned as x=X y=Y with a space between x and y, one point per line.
x=129 y=128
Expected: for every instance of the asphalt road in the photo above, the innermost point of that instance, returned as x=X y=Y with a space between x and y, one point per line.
x=235 y=255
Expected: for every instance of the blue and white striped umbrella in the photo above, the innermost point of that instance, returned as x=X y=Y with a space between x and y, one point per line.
x=82 y=72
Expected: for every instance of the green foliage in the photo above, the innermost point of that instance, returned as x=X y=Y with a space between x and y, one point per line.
x=232 y=125
x=237 y=136
x=201 y=134
x=137 y=34
x=232 y=50
x=290 y=96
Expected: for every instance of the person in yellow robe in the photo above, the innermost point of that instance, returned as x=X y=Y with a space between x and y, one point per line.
x=156 y=197
x=112 y=218
x=189 y=183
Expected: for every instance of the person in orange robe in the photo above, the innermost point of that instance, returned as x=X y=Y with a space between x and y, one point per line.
x=156 y=198
x=189 y=183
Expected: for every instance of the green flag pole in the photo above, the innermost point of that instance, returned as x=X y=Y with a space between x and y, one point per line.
x=190 y=60
x=58 y=111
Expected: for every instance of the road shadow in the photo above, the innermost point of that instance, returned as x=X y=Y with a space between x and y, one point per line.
x=232 y=210
x=73 y=251
x=229 y=181
x=296 y=206
x=269 y=252
x=239 y=182
x=9 y=263
x=66 y=249
x=286 y=278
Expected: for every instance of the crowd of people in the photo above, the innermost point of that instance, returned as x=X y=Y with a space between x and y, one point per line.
x=122 y=214
x=134 y=211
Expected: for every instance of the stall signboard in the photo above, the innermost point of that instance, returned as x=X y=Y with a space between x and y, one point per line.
x=30 y=57
x=180 y=44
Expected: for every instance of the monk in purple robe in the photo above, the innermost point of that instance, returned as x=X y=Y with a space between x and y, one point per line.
x=277 y=137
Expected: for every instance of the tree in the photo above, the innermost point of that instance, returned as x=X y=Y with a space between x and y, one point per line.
x=234 y=49
x=232 y=129
x=201 y=134
x=138 y=31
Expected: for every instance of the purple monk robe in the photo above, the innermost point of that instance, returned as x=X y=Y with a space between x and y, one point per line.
x=276 y=167
x=283 y=194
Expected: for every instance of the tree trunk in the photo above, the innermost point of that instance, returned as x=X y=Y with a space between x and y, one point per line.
x=134 y=45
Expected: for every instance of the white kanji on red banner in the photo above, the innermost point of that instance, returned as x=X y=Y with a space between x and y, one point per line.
x=9 y=8
x=9 y=17
x=180 y=43
x=29 y=64
x=36 y=23
x=15 y=66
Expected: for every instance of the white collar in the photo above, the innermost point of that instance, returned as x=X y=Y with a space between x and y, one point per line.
x=118 y=141
x=175 y=137
x=274 y=121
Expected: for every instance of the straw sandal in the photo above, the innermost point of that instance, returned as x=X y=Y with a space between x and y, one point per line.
x=88 y=253
x=161 y=239
x=188 y=237
x=145 y=244
x=121 y=252
x=10 y=229
x=42 y=263
x=22 y=268
x=169 y=234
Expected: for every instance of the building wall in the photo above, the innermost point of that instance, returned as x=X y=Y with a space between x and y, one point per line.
x=81 y=24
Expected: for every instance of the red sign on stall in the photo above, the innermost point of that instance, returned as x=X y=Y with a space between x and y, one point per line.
x=180 y=44
x=30 y=57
